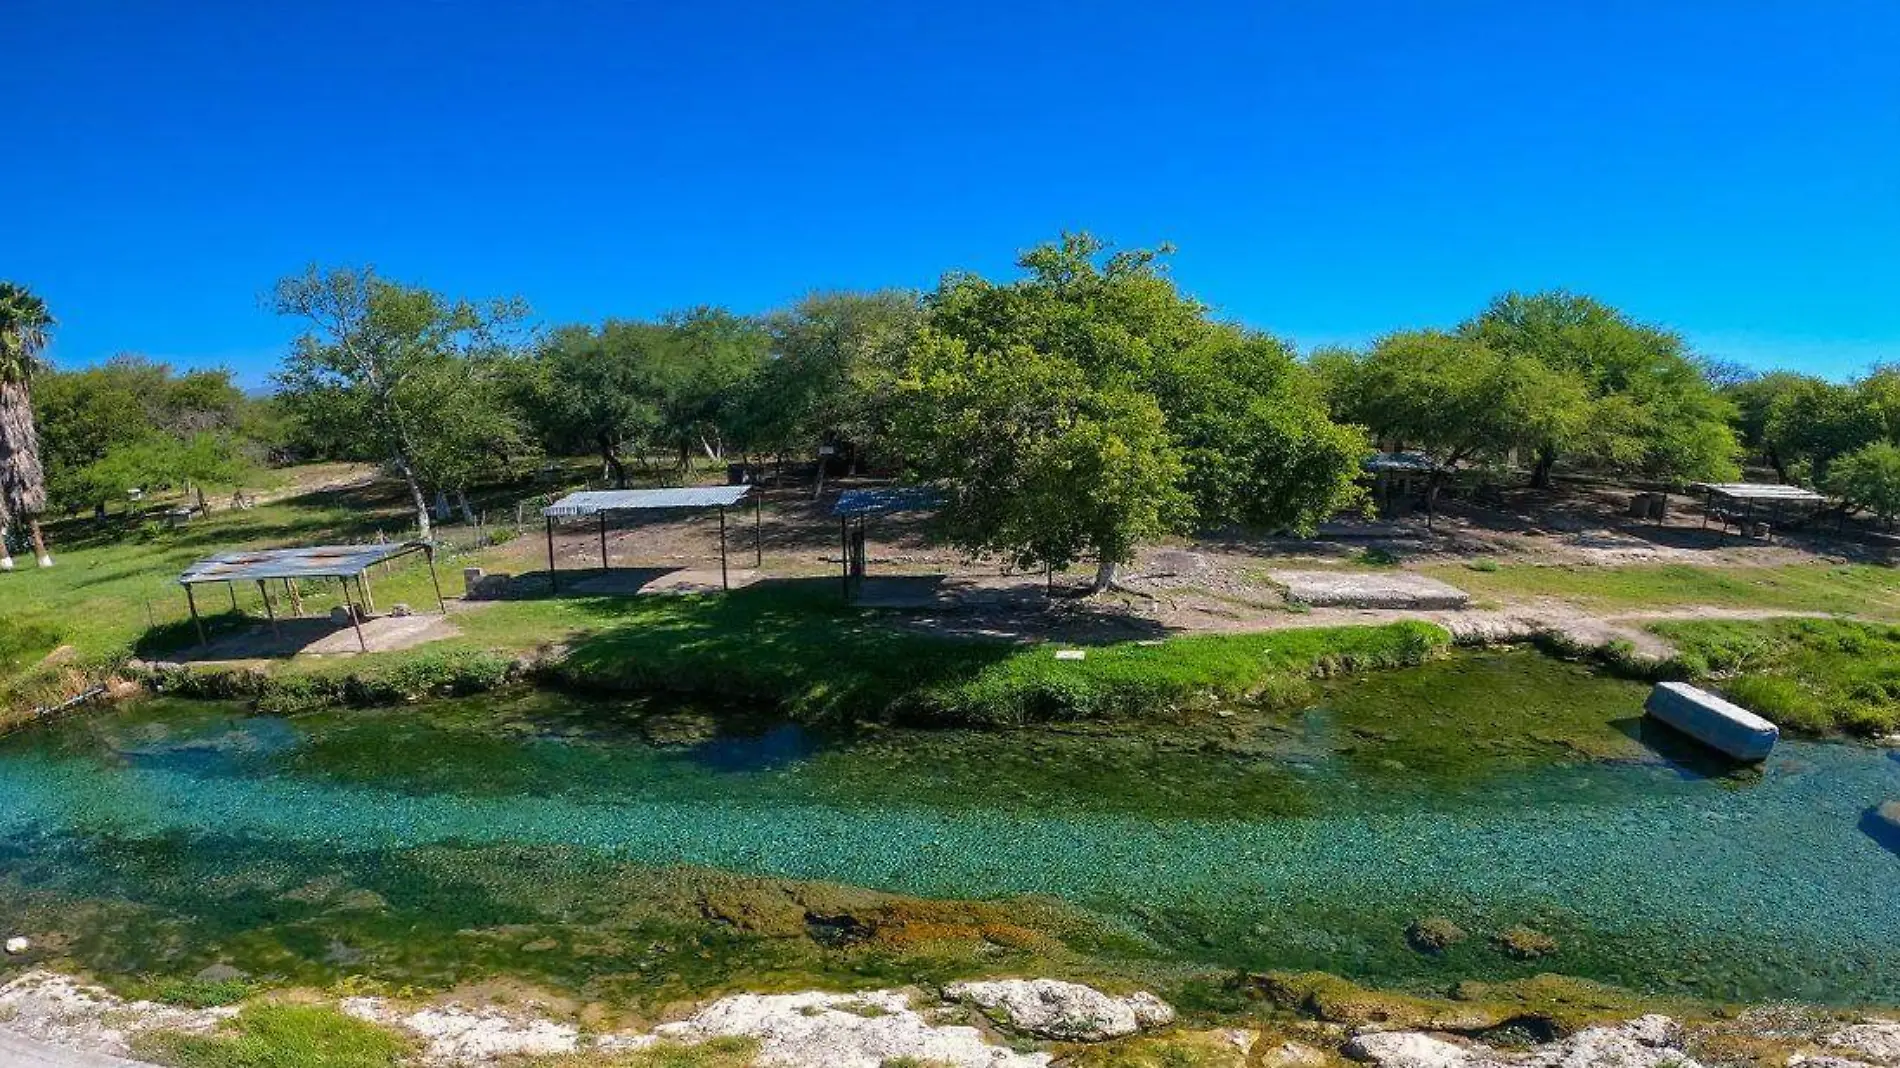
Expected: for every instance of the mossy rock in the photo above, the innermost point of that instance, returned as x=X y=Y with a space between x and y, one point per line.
x=1324 y=996
x=1433 y=934
x=1523 y=943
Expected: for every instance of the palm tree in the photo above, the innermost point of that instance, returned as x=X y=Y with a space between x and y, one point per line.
x=24 y=322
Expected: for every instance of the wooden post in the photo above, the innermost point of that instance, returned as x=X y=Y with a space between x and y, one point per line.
x=192 y=600
x=724 y=583
x=270 y=610
x=354 y=620
x=603 y=541
x=552 y=588
x=369 y=600
x=295 y=598
x=435 y=580
x=758 y=530
x=231 y=587
x=844 y=556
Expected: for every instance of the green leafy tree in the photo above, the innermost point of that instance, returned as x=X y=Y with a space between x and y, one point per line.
x=596 y=390
x=86 y=415
x=1809 y=422
x=1089 y=406
x=1869 y=479
x=1652 y=410
x=24 y=325
x=375 y=358
x=704 y=358
x=831 y=376
x=1455 y=398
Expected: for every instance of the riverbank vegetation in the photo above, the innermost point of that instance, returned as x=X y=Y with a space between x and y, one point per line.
x=1810 y=675
x=1823 y=588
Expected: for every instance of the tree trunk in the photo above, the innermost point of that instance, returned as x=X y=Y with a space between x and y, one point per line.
x=39 y=541
x=819 y=489
x=6 y=554
x=424 y=530
x=714 y=452
x=614 y=465
x=1104 y=576
x=461 y=501
x=1781 y=467
x=1540 y=475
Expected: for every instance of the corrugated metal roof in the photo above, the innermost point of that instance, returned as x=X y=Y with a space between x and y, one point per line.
x=885 y=501
x=322 y=561
x=1761 y=491
x=594 y=502
x=1401 y=462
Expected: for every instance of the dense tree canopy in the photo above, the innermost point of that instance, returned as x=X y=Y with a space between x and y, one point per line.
x=1089 y=406
x=1651 y=408
x=133 y=423
x=831 y=376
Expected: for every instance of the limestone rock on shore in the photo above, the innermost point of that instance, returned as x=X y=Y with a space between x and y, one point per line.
x=1648 y=1042
x=1067 y=1011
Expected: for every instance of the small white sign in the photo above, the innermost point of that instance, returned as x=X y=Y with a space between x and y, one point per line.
x=1070 y=654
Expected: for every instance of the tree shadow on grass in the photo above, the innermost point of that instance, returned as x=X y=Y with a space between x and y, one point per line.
x=789 y=641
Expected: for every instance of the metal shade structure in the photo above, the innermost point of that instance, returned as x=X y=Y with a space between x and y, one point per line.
x=1744 y=503
x=289 y=566
x=602 y=503
x=856 y=506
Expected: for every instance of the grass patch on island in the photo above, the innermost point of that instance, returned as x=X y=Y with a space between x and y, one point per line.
x=1811 y=675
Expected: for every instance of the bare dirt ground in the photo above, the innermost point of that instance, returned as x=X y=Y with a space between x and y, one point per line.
x=1213 y=583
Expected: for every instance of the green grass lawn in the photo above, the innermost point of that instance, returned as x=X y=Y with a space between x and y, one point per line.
x=1855 y=589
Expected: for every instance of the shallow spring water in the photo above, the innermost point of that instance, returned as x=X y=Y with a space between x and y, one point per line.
x=1494 y=789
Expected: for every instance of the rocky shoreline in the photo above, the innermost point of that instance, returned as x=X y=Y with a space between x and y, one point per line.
x=1009 y=1023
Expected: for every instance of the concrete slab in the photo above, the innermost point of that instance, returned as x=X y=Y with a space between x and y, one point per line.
x=321 y=637
x=1369 y=589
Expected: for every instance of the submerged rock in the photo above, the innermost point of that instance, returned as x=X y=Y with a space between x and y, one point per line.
x=1524 y=943
x=1069 y=1011
x=1888 y=812
x=1433 y=934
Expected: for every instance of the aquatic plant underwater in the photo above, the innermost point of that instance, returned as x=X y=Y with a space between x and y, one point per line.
x=644 y=850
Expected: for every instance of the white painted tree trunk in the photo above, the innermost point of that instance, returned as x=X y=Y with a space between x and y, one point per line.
x=6 y=555
x=39 y=543
x=1104 y=576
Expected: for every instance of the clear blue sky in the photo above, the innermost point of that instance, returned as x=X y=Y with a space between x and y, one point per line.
x=1730 y=168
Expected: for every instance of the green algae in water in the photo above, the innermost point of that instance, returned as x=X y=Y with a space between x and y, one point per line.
x=545 y=837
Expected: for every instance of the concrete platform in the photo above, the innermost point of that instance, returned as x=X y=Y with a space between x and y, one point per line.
x=631 y=581
x=1369 y=589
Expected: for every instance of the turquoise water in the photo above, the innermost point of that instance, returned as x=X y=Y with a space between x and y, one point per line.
x=1253 y=841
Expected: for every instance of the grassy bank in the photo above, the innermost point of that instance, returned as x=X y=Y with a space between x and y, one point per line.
x=1855 y=589
x=794 y=645
x=791 y=645
x=1812 y=675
